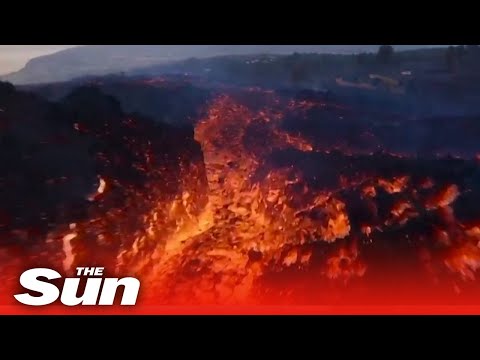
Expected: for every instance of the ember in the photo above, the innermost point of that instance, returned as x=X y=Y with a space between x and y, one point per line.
x=249 y=205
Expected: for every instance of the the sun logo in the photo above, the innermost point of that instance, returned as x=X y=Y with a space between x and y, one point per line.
x=94 y=293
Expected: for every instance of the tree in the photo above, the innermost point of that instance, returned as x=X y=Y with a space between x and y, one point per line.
x=385 y=54
x=451 y=59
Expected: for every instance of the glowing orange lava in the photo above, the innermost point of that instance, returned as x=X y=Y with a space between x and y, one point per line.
x=235 y=218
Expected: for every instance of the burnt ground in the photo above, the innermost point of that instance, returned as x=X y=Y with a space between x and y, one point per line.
x=53 y=155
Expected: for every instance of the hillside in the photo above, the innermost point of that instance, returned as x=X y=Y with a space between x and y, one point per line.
x=105 y=59
x=415 y=83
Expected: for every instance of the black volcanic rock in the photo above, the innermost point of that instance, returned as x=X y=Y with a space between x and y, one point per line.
x=53 y=154
x=174 y=102
x=44 y=163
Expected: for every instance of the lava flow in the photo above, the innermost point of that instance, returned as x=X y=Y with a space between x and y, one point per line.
x=272 y=215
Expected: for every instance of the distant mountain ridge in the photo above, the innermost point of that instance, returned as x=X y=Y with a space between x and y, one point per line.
x=105 y=59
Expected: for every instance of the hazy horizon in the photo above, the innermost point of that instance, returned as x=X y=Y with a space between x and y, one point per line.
x=15 y=57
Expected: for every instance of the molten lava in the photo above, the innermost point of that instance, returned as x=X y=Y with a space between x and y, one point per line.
x=246 y=228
